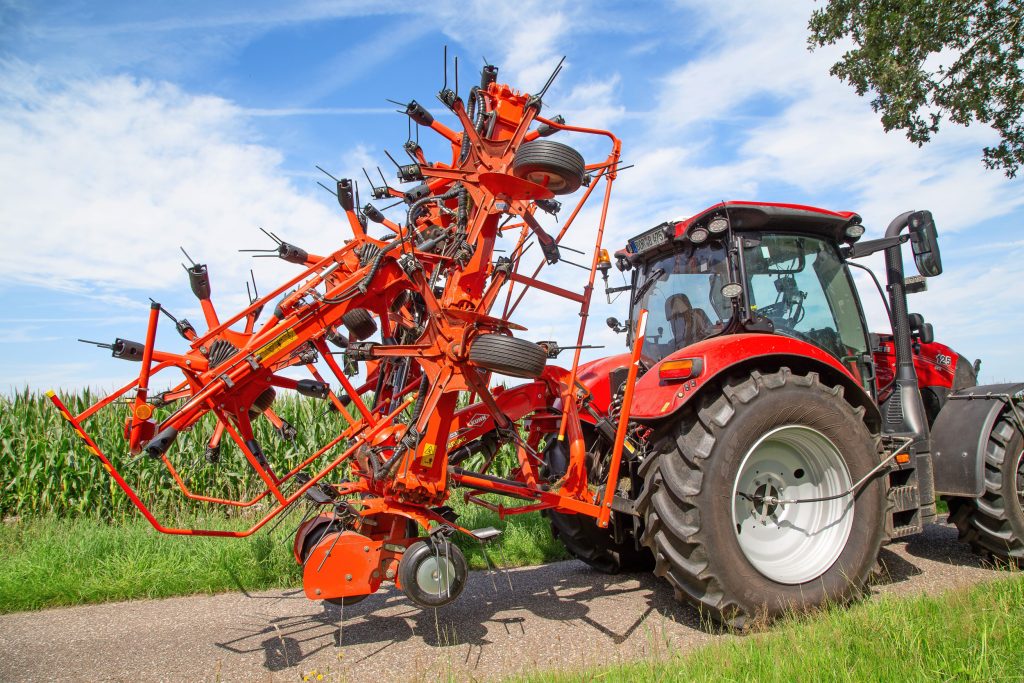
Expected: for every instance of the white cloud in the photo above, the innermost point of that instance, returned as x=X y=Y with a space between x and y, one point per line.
x=102 y=180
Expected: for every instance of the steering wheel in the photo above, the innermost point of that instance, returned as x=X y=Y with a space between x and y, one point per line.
x=775 y=311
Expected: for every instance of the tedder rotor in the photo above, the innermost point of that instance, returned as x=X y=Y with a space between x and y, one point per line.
x=444 y=302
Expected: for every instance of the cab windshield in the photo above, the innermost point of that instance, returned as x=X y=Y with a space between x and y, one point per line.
x=684 y=301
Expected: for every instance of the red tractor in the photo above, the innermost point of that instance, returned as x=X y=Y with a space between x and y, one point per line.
x=755 y=447
x=780 y=443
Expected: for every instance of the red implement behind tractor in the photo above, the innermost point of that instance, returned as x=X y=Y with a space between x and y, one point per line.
x=755 y=446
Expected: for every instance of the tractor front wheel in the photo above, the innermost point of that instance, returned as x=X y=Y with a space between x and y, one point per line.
x=747 y=503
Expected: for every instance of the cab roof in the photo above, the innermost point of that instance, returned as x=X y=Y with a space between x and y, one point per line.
x=746 y=216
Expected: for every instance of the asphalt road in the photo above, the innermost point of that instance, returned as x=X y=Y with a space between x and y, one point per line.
x=561 y=615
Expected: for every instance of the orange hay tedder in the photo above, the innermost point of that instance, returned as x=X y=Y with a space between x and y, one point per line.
x=445 y=305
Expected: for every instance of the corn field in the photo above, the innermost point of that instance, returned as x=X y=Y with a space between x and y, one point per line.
x=45 y=469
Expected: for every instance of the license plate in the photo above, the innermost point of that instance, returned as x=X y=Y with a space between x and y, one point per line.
x=648 y=240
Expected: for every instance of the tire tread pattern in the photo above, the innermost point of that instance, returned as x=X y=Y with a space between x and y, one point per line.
x=675 y=477
x=991 y=529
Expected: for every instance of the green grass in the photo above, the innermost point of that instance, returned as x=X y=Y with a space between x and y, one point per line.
x=73 y=537
x=48 y=561
x=975 y=634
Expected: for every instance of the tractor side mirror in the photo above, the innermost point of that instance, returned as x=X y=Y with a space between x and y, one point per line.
x=615 y=325
x=919 y=329
x=924 y=241
x=926 y=334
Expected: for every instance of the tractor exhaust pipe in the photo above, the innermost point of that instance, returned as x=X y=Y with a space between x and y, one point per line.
x=903 y=413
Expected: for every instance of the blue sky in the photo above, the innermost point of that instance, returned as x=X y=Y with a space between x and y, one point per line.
x=130 y=129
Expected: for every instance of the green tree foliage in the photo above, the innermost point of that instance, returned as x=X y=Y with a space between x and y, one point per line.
x=925 y=61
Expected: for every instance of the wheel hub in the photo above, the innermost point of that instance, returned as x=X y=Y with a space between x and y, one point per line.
x=435 y=575
x=763 y=500
x=797 y=541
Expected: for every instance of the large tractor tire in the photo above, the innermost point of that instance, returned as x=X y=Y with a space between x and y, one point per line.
x=581 y=535
x=994 y=523
x=557 y=167
x=508 y=356
x=716 y=536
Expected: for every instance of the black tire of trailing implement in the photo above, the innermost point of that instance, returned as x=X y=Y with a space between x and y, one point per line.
x=993 y=524
x=508 y=356
x=588 y=542
x=687 y=497
x=359 y=322
x=560 y=165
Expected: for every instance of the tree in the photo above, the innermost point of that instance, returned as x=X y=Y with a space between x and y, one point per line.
x=925 y=61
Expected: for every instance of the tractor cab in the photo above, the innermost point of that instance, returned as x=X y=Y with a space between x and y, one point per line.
x=748 y=267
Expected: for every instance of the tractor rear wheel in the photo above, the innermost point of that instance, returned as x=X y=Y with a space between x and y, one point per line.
x=719 y=507
x=994 y=523
x=557 y=167
x=508 y=356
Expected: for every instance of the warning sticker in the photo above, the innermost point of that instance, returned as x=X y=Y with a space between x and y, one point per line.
x=275 y=344
x=427 y=459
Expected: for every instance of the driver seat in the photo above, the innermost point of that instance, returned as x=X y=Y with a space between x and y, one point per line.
x=689 y=325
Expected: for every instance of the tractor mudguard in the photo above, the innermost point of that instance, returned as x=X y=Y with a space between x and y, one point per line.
x=656 y=397
x=596 y=376
x=960 y=437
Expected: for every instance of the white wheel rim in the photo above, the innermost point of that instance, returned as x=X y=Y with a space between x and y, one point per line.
x=792 y=543
x=435 y=575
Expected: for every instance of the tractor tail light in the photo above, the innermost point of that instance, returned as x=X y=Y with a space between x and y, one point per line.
x=683 y=368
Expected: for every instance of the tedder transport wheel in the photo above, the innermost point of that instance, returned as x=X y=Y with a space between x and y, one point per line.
x=359 y=322
x=715 y=499
x=508 y=356
x=433 y=573
x=994 y=523
x=580 y=534
x=557 y=167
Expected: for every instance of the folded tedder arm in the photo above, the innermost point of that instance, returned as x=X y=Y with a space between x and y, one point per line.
x=444 y=305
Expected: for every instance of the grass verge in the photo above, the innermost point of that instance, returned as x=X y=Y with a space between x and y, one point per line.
x=49 y=562
x=974 y=634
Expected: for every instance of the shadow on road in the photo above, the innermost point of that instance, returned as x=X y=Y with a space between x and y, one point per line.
x=486 y=607
x=489 y=611
x=940 y=543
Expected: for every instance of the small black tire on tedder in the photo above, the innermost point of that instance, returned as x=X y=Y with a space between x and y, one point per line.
x=432 y=573
x=508 y=356
x=551 y=164
x=360 y=323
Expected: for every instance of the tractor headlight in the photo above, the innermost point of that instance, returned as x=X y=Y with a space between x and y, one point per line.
x=697 y=235
x=718 y=224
